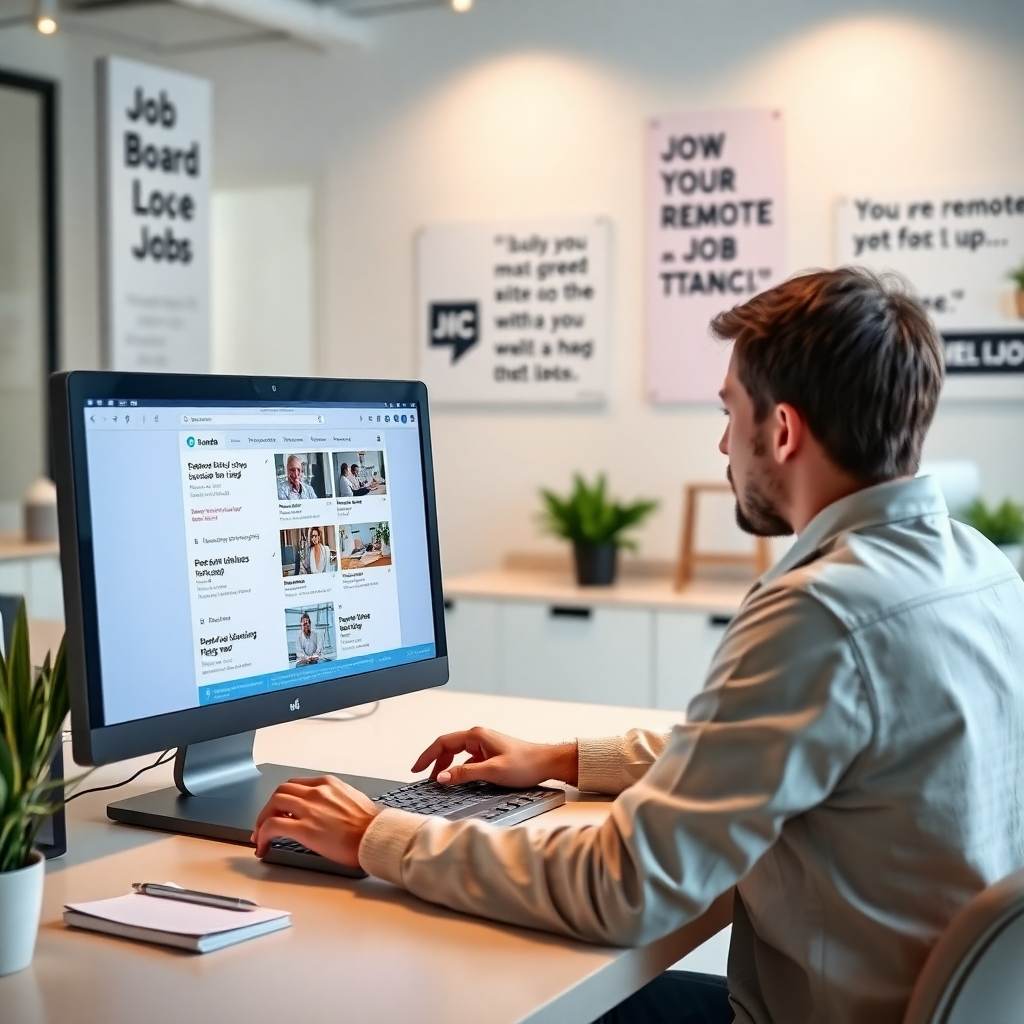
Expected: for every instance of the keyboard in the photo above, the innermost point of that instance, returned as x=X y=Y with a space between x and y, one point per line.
x=481 y=800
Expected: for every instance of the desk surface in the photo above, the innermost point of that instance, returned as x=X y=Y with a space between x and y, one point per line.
x=358 y=950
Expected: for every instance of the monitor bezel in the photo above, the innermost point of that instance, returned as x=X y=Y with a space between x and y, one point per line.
x=95 y=742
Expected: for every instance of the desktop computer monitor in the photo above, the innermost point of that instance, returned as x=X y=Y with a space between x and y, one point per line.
x=222 y=574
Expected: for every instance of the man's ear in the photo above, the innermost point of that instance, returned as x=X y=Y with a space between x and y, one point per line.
x=788 y=430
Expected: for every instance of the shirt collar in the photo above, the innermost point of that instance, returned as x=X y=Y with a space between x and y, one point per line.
x=872 y=506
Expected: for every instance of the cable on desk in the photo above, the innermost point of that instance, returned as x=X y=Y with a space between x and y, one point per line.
x=162 y=759
x=333 y=716
x=345 y=716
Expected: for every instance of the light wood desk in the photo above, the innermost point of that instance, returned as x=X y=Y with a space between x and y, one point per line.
x=358 y=951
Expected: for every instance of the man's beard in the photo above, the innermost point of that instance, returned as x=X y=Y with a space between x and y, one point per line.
x=755 y=511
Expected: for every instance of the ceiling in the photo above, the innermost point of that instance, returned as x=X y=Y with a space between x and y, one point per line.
x=182 y=26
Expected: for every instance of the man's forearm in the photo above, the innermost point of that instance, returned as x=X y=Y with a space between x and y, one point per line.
x=564 y=763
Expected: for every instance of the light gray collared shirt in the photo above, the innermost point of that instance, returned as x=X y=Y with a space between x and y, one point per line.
x=854 y=766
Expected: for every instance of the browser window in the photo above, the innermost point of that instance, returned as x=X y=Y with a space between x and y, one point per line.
x=273 y=546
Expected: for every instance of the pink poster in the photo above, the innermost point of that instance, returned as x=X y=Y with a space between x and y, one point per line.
x=715 y=222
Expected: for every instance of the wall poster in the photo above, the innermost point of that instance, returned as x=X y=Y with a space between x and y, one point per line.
x=154 y=176
x=715 y=237
x=957 y=247
x=514 y=312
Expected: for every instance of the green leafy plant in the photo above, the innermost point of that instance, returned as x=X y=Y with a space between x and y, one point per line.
x=589 y=516
x=1017 y=276
x=32 y=709
x=1002 y=525
x=382 y=531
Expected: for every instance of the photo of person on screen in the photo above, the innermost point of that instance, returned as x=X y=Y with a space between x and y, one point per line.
x=308 y=646
x=350 y=476
x=359 y=472
x=294 y=487
x=318 y=554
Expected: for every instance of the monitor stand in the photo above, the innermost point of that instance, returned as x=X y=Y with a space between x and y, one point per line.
x=219 y=791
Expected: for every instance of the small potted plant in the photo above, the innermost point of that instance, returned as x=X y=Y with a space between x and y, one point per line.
x=382 y=534
x=33 y=704
x=1017 y=277
x=595 y=525
x=1004 y=526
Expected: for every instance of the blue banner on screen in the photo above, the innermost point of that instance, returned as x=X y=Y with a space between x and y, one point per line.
x=272 y=681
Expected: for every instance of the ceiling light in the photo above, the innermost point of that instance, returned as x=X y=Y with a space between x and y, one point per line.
x=461 y=6
x=46 y=16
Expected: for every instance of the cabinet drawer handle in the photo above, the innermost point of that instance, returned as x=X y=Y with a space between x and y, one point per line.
x=557 y=611
x=719 y=620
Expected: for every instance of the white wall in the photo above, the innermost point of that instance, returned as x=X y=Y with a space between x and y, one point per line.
x=262 y=281
x=536 y=108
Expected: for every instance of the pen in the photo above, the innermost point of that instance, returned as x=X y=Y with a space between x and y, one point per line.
x=206 y=899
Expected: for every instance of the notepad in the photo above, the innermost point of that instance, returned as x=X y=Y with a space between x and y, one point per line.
x=174 y=922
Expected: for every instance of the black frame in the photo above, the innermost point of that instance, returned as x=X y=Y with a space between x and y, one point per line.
x=48 y=92
x=96 y=743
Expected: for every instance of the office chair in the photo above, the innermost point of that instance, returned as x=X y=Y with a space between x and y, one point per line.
x=974 y=974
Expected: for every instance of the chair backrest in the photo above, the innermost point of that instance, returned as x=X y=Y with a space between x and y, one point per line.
x=975 y=973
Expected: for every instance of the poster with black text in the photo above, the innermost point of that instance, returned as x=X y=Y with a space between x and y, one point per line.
x=715 y=237
x=514 y=312
x=154 y=174
x=959 y=249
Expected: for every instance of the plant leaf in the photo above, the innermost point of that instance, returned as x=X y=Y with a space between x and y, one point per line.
x=589 y=516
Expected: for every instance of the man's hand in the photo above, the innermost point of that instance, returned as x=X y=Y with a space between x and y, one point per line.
x=325 y=814
x=497 y=758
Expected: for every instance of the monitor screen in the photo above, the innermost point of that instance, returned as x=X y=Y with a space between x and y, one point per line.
x=237 y=548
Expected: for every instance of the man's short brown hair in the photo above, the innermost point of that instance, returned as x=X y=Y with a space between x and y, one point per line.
x=855 y=353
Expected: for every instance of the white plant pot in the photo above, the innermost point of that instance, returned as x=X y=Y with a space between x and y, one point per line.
x=21 y=902
x=1015 y=553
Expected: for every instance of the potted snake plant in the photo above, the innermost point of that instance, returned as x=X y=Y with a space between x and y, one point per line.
x=33 y=704
x=595 y=525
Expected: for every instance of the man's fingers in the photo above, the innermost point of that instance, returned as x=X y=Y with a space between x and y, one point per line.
x=451 y=743
x=428 y=756
x=486 y=770
x=281 y=803
x=273 y=827
x=309 y=780
x=441 y=763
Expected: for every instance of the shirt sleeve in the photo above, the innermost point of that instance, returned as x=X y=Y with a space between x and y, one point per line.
x=782 y=716
x=613 y=763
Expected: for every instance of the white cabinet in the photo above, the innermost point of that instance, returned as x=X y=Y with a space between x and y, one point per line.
x=45 y=589
x=684 y=644
x=576 y=652
x=530 y=633
x=36 y=579
x=474 y=660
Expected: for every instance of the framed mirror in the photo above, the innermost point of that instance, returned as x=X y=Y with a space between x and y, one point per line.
x=28 y=283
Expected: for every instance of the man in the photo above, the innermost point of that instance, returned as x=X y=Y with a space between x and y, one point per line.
x=294 y=487
x=853 y=764
x=308 y=648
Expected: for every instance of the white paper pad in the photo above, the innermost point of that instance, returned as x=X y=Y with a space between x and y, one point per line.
x=167 y=915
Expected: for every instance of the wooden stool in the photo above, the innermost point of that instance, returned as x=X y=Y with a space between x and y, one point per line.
x=689 y=558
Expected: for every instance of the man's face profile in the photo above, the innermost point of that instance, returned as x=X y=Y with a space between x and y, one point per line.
x=294 y=473
x=752 y=473
x=306 y=625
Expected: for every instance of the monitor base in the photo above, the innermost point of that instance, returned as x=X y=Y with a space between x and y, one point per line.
x=226 y=812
